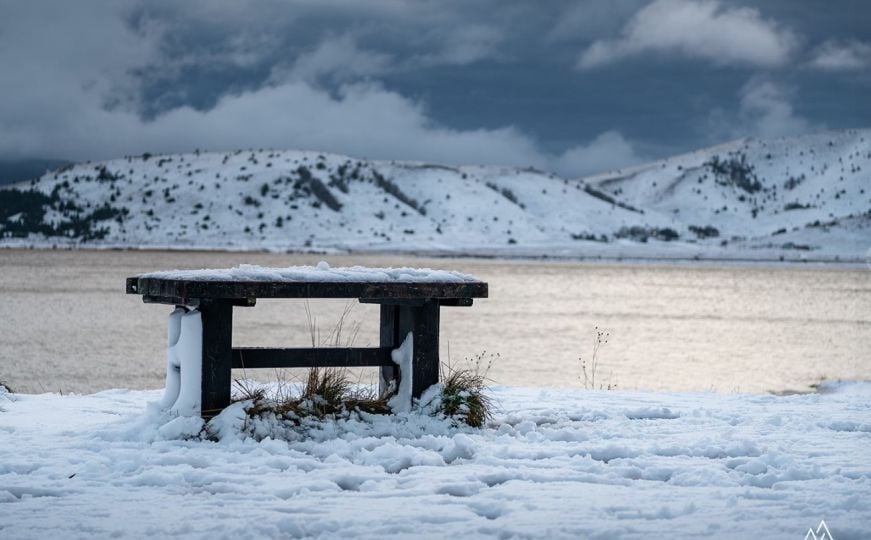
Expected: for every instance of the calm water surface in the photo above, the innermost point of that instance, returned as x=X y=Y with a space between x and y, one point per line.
x=68 y=326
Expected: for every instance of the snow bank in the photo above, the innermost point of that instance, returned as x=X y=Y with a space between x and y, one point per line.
x=5 y=395
x=402 y=357
x=184 y=367
x=552 y=464
x=320 y=273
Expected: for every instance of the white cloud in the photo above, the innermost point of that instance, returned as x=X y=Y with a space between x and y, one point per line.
x=607 y=151
x=466 y=44
x=592 y=18
x=336 y=57
x=73 y=94
x=60 y=72
x=364 y=120
x=765 y=109
x=842 y=56
x=696 y=29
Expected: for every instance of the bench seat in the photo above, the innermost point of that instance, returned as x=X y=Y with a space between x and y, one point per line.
x=410 y=301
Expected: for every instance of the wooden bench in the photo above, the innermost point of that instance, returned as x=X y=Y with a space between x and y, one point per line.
x=407 y=306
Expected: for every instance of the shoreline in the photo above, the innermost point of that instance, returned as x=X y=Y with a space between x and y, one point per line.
x=738 y=260
x=822 y=387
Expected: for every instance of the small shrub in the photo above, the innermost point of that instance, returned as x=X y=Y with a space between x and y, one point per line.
x=796 y=206
x=642 y=234
x=666 y=234
x=735 y=171
x=105 y=176
x=705 y=232
x=505 y=192
x=317 y=188
x=590 y=237
x=393 y=189
x=793 y=182
x=601 y=195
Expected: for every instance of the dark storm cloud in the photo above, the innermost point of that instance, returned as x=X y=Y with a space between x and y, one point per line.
x=569 y=86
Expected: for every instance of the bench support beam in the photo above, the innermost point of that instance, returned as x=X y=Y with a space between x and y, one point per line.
x=425 y=364
x=422 y=321
x=388 y=379
x=217 y=317
x=262 y=357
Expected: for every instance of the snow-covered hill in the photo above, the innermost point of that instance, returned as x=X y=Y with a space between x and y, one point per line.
x=794 y=198
x=810 y=192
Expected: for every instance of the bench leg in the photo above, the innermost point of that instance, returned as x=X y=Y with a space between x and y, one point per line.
x=217 y=360
x=423 y=321
x=425 y=364
x=388 y=381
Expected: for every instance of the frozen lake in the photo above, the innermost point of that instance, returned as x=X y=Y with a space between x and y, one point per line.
x=68 y=326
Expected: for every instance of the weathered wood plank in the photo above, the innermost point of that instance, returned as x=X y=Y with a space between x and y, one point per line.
x=456 y=302
x=217 y=317
x=389 y=375
x=425 y=363
x=394 y=301
x=189 y=289
x=265 y=357
x=453 y=302
x=423 y=323
x=193 y=302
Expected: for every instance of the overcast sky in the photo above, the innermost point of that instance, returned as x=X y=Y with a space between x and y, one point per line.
x=570 y=86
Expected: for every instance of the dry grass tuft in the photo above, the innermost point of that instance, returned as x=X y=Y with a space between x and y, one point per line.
x=589 y=376
x=329 y=392
x=327 y=386
x=464 y=391
x=365 y=398
x=248 y=389
x=324 y=393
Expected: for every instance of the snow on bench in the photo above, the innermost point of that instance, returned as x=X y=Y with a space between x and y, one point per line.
x=200 y=354
x=323 y=272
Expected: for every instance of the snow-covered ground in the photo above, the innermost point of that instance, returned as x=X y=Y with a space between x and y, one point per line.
x=797 y=198
x=552 y=464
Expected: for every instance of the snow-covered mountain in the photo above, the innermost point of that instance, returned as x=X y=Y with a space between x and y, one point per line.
x=805 y=197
